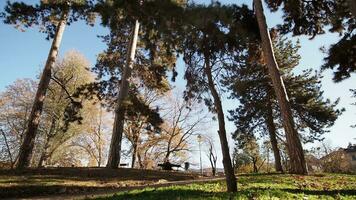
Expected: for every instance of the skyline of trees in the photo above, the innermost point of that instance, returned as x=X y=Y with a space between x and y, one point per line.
x=145 y=40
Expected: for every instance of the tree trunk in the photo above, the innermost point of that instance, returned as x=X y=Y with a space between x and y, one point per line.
x=352 y=6
x=255 y=168
x=213 y=165
x=273 y=138
x=118 y=128
x=44 y=154
x=133 y=160
x=27 y=145
x=50 y=134
x=229 y=171
x=8 y=149
x=140 y=161
x=294 y=146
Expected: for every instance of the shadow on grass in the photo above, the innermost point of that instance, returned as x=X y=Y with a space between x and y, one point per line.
x=251 y=193
x=95 y=173
x=165 y=194
x=37 y=190
x=322 y=192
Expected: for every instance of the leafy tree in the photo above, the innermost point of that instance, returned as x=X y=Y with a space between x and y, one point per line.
x=252 y=149
x=138 y=126
x=94 y=137
x=210 y=45
x=68 y=75
x=259 y=111
x=51 y=17
x=15 y=106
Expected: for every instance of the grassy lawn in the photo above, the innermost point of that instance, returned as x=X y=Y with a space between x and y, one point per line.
x=258 y=186
x=58 y=181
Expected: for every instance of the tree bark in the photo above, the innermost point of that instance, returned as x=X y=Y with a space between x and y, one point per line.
x=133 y=160
x=26 y=149
x=294 y=145
x=352 y=6
x=8 y=149
x=115 y=145
x=229 y=171
x=255 y=168
x=272 y=135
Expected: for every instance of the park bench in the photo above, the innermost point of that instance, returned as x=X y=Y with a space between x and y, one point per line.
x=124 y=164
x=168 y=166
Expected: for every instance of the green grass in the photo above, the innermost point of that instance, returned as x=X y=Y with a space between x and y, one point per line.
x=258 y=186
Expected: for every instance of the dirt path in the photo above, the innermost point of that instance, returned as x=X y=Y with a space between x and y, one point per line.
x=110 y=192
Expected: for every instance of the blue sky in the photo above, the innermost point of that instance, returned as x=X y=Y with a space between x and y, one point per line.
x=22 y=55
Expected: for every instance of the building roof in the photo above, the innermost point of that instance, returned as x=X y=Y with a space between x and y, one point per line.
x=351 y=148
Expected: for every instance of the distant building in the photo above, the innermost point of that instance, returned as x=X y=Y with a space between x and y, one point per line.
x=351 y=156
x=342 y=160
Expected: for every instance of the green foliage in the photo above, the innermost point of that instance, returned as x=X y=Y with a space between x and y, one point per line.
x=314 y=17
x=342 y=56
x=250 y=84
x=46 y=14
x=218 y=38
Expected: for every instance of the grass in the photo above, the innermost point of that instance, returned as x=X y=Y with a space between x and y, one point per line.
x=257 y=186
x=58 y=181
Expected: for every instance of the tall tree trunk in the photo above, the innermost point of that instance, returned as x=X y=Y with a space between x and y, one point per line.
x=27 y=145
x=352 y=6
x=118 y=128
x=273 y=138
x=229 y=171
x=294 y=146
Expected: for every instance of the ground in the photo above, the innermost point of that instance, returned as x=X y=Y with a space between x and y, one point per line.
x=74 y=181
x=257 y=186
x=55 y=181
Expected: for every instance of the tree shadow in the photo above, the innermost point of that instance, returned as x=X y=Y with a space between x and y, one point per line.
x=348 y=192
x=82 y=173
x=164 y=194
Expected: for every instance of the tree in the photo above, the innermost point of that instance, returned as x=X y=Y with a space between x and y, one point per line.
x=68 y=75
x=94 y=138
x=294 y=146
x=138 y=126
x=155 y=55
x=52 y=18
x=247 y=143
x=181 y=122
x=315 y=17
x=210 y=45
x=259 y=112
x=118 y=128
x=15 y=107
x=211 y=154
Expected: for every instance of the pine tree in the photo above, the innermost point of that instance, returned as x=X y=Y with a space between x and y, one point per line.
x=145 y=66
x=258 y=112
